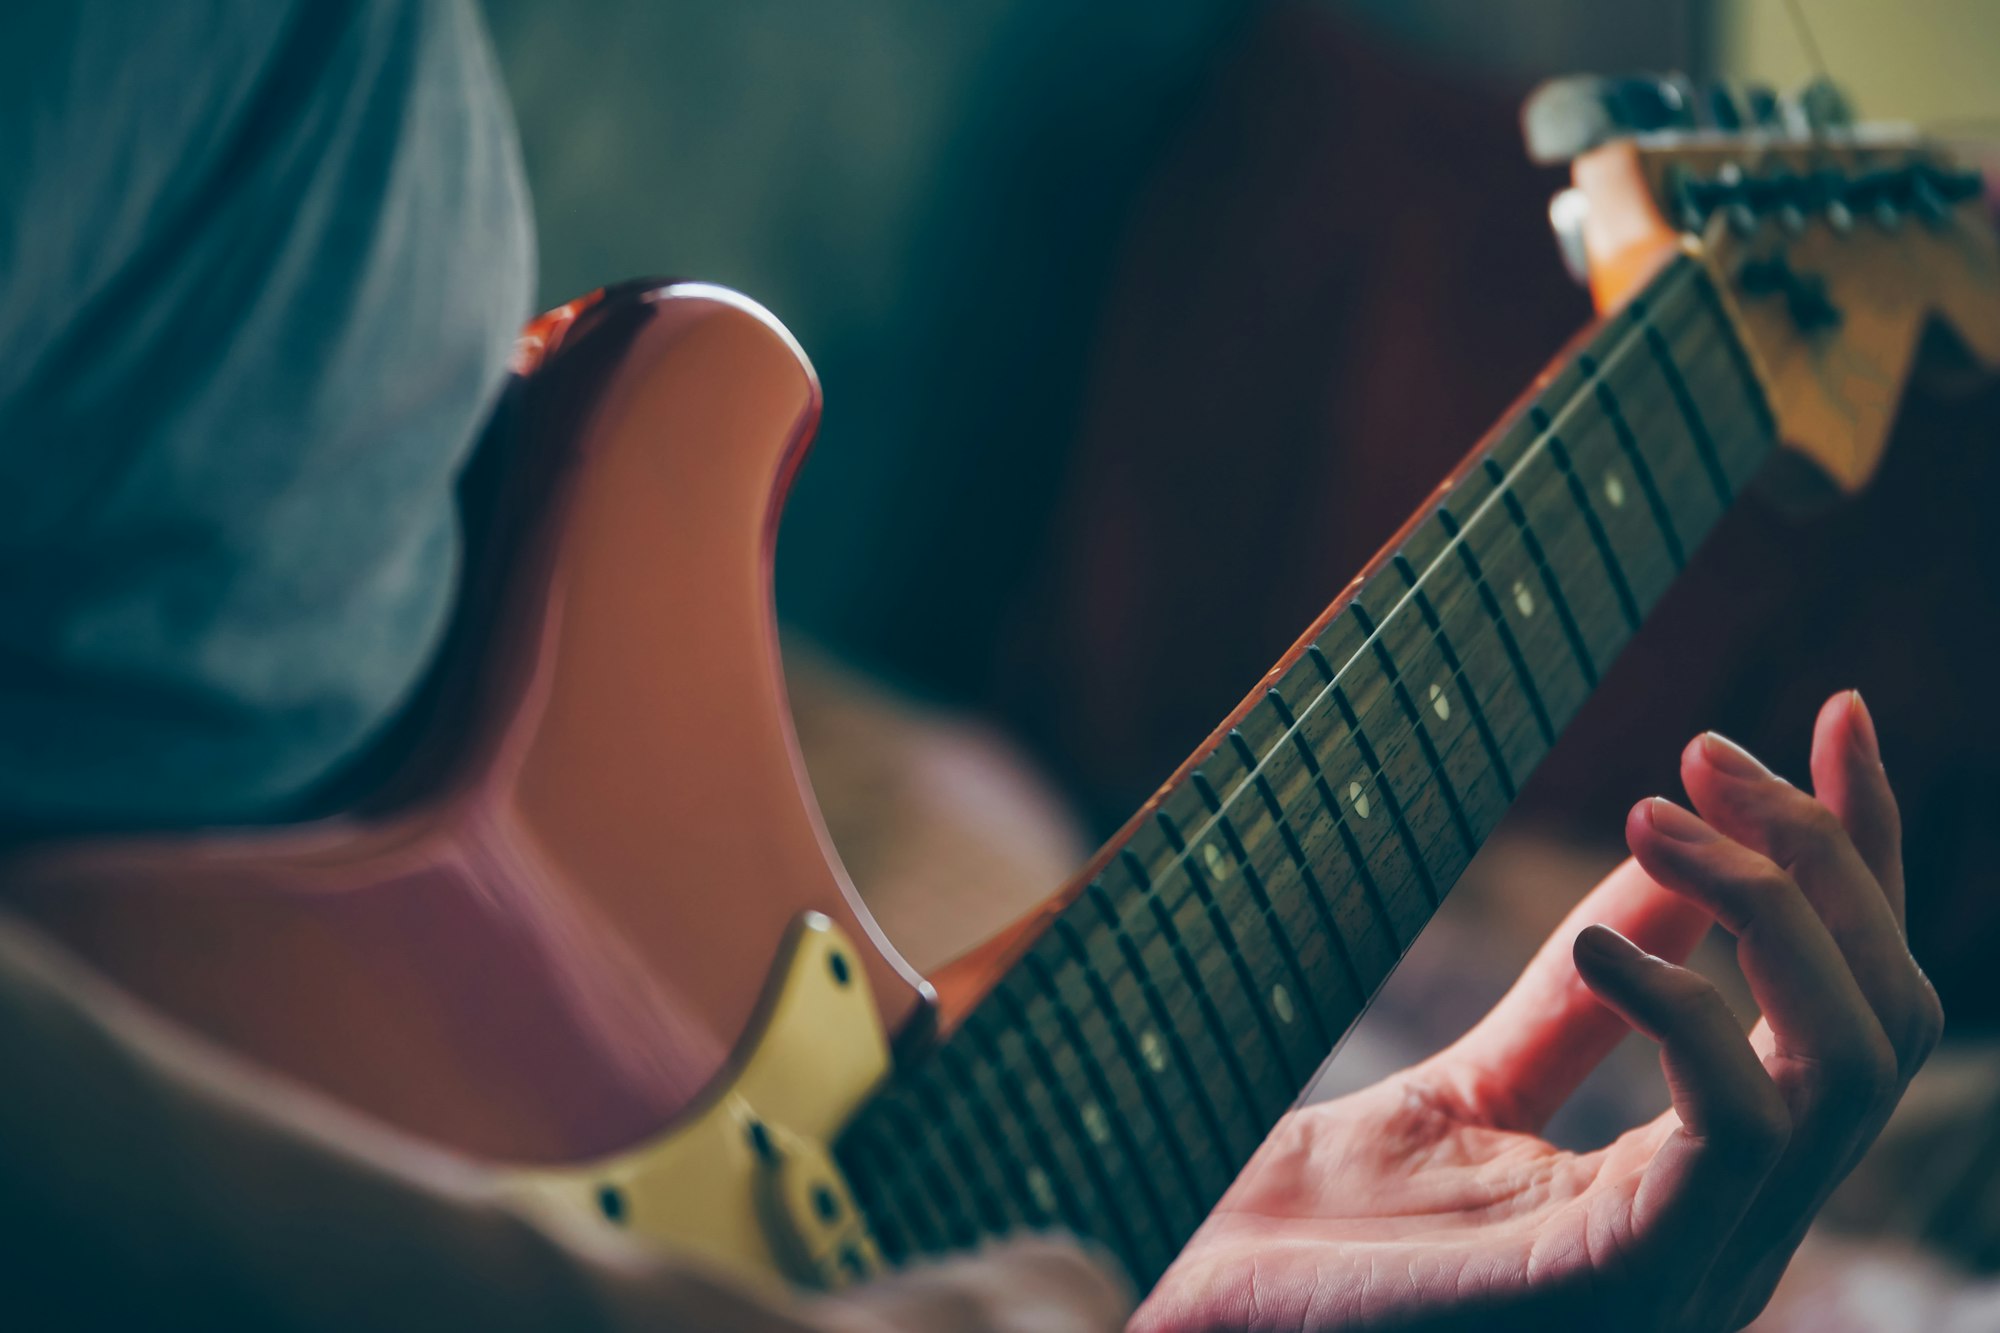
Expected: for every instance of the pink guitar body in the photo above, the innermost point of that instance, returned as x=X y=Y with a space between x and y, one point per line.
x=546 y=935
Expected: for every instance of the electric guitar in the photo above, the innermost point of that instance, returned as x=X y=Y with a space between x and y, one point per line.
x=589 y=928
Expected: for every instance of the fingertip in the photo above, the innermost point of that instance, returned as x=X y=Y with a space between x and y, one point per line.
x=1613 y=969
x=1863 y=740
x=1656 y=820
x=1598 y=945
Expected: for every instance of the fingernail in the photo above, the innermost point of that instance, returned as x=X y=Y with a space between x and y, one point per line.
x=1673 y=822
x=1730 y=757
x=1864 y=728
x=1605 y=945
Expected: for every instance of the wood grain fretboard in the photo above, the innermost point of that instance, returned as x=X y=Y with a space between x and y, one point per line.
x=1122 y=1072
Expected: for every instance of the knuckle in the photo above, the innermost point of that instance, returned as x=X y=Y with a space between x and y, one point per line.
x=1864 y=1074
x=1820 y=825
x=1766 y=1129
x=1812 y=830
x=1926 y=1023
x=1763 y=890
x=1754 y=1131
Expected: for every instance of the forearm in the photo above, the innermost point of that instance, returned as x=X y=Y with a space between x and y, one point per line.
x=148 y=1180
x=161 y=1178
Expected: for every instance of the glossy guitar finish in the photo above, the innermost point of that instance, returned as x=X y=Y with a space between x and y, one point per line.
x=542 y=945
x=551 y=946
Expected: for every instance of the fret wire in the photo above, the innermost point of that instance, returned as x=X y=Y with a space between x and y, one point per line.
x=987 y=1143
x=875 y=1189
x=1627 y=605
x=1038 y=1151
x=1641 y=469
x=1531 y=689
x=1135 y=1059
x=1331 y=805
x=1550 y=582
x=1753 y=388
x=1677 y=278
x=1204 y=998
x=1225 y=933
x=1079 y=1133
x=1333 y=678
x=1568 y=550
x=1364 y=855
x=1449 y=743
x=1374 y=766
x=940 y=1133
x=1107 y=1097
x=1374 y=935
x=1467 y=691
x=1704 y=443
x=1315 y=893
x=1739 y=449
x=1464 y=683
x=1267 y=912
x=935 y=1188
x=1418 y=727
x=1148 y=901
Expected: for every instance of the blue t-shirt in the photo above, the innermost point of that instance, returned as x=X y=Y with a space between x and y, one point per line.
x=261 y=264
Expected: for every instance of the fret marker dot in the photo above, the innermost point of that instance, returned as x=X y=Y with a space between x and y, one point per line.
x=1217 y=866
x=1358 y=799
x=1041 y=1189
x=1614 y=491
x=1524 y=598
x=1281 y=1004
x=1150 y=1049
x=1096 y=1124
x=1439 y=703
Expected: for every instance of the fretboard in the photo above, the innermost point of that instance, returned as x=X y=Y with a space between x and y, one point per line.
x=1118 y=1076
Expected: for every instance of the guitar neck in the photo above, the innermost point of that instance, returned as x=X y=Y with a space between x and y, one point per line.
x=1195 y=978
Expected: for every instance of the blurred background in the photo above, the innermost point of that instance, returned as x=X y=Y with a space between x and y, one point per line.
x=1142 y=325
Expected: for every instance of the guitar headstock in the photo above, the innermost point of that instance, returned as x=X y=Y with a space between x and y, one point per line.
x=1836 y=247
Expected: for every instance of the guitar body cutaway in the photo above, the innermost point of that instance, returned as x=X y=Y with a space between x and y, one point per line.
x=544 y=938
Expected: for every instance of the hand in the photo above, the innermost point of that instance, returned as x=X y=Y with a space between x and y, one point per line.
x=1431 y=1198
x=1028 y=1285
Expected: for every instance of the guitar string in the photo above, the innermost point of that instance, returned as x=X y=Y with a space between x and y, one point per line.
x=1618 y=356
x=1612 y=359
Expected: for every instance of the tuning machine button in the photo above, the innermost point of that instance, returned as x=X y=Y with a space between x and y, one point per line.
x=1719 y=108
x=1882 y=195
x=1767 y=276
x=1809 y=305
x=1762 y=105
x=1826 y=194
x=1816 y=109
x=1565 y=118
x=1734 y=191
x=1805 y=293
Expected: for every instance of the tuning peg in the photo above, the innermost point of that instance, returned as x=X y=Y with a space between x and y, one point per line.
x=1809 y=305
x=1825 y=192
x=1719 y=108
x=1818 y=107
x=1805 y=293
x=1882 y=195
x=1565 y=118
x=1764 y=277
x=1762 y=105
x=1953 y=187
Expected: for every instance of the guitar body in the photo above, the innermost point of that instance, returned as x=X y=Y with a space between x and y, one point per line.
x=589 y=927
x=549 y=935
